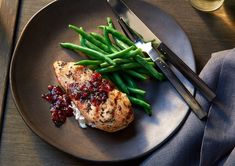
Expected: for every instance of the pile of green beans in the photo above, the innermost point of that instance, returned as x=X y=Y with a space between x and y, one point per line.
x=118 y=59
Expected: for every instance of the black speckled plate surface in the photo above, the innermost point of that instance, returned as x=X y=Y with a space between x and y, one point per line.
x=31 y=72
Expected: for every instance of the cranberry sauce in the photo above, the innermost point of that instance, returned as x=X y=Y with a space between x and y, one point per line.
x=60 y=104
x=95 y=90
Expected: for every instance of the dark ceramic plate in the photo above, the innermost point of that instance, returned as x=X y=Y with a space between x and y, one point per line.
x=31 y=72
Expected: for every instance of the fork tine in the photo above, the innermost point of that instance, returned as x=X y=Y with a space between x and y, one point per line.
x=128 y=31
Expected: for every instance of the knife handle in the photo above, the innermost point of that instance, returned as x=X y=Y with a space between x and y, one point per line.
x=181 y=89
x=186 y=71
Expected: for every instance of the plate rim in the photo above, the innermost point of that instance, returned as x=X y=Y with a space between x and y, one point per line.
x=49 y=141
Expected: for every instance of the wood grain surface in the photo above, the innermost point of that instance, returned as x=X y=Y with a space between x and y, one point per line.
x=208 y=32
x=8 y=14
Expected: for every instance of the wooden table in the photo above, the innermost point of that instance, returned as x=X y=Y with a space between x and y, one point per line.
x=208 y=32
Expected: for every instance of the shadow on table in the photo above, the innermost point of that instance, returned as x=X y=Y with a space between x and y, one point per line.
x=221 y=22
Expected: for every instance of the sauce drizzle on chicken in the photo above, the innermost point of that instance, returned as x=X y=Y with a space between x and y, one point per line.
x=95 y=90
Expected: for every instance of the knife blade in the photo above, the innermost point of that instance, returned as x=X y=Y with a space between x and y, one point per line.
x=123 y=12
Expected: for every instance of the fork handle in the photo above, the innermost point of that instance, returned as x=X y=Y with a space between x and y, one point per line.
x=186 y=71
x=180 y=88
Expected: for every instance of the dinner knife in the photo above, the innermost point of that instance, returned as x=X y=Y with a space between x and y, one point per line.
x=122 y=11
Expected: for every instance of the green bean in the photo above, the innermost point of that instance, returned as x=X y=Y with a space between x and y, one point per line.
x=102 y=39
x=136 y=74
x=130 y=65
x=147 y=110
x=143 y=70
x=132 y=53
x=88 y=51
x=94 y=47
x=90 y=38
x=110 y=22
x=108 y=69
x=136 y=91
x=106 y=37
x=93 y=67
x=113 y=49
x=98 y=37
x=148 y=59
x=82 y=40
x=125 y=66
x=141 y=103
x=117 y=61
x=130 y=82
x=108 y=41
x=120 y=44
x=142 y=54
x=117 y=79
x=118 y=35
x=116 y=47
x=120 y=53
x=151 y=63
x=150 y=68
x=88 y=62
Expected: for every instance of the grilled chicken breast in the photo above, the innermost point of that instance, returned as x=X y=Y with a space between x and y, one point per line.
x=102 y=105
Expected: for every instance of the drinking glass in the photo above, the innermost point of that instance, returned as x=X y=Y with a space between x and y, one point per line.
x=206 y=5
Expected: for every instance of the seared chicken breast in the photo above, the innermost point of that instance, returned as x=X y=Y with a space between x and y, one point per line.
x=102 y=105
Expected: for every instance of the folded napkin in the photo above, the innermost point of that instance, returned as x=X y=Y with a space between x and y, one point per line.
x=212 y=141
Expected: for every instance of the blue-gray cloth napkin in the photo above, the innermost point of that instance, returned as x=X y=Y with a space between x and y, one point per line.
x=209 y=142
